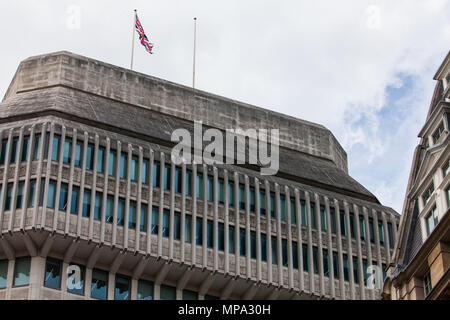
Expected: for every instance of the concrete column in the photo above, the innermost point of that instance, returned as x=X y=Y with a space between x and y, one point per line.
x=37 y=271
x=377 y=247
x=88 y=281
x=111 y=285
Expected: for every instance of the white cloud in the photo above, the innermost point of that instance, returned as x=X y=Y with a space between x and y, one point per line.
x=323 y=61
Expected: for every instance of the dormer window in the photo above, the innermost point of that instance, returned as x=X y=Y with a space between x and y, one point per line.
x=438 y=133
x=427 y=195
x=432 y=220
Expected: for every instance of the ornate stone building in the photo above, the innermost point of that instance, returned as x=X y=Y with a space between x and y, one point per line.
x=92 y=207
x=421 y=260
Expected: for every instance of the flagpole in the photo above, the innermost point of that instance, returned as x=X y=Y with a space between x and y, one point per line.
x=132 y=43
x=195 y=39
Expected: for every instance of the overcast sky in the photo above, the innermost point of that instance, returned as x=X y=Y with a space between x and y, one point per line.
x=364 y=69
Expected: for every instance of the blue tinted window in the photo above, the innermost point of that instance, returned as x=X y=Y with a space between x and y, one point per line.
x=210 y=234
x=283 y=213
x=178 y=180
x=3 y=273
x=31 y=193
x=188 y=228
x=52 y=274
x=263 y=247
x=166 y=223
x=242 y=197
x=231 y=239
x=156 y=174
x=121 y=212
x=67 y=152
x=101 y=160
x=177 y=226
x=210 y=189
x=78 y=153
x=274 y=250
x=145 y=172
x=221 y=237
x=293 y=209
x=272 y=205
x=51 y=194
x=14 y=150
x=199 y=232
x=132 y=215
x=122 y=288
x=304 y=219
x=123 y=165
x=55 y=148
x=145 y=290
x=188 y=183
x=74 y=201
x=76 y=284
x=199 y=185
x=323 y=219
x=109 y=209
x=143 y=222
x=25 y=145
x=99 y=286
x=134 y=168
x=37 y=147
x=294 y=255
x=98 y=206
x=262 y=202
x=252 y=200
x=242 y=242
x=167 y=171
x=305 y=258
x=86 y=203
x=22 y=272
x=284 y=252
x=90 y=157
x=19 y=196
x=155 y=221
x=230 y=194
x=253 y=244
x=112 y=163
x=63 y=197
x=221 y=191
x=3 y=151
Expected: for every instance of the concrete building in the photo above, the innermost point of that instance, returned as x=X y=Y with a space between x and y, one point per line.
x=92 y=208
x=420 y=264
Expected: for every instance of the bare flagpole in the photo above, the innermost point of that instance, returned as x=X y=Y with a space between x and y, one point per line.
x=132 y=43
x=195 y=39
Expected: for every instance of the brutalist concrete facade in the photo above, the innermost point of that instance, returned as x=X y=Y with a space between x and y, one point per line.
x=110 y=202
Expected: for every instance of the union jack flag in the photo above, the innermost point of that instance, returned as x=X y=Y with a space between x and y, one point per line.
x=142 y=37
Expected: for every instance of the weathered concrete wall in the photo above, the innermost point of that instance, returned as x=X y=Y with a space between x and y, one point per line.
x=67 y=69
